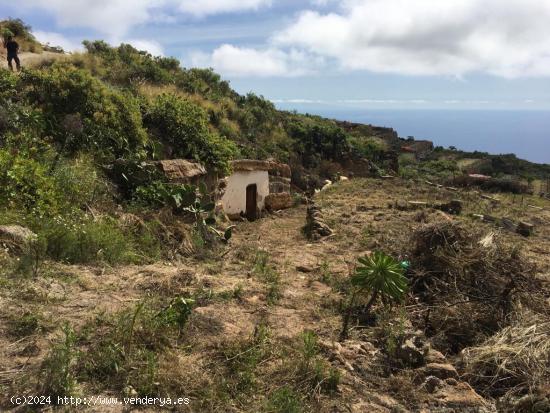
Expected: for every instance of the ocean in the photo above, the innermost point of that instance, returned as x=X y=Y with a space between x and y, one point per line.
x=525 y=133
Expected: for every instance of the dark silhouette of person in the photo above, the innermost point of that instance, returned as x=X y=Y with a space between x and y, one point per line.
x=13 y=48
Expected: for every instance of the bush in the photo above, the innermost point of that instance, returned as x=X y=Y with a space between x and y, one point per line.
x=81 y=183
x=440 y=168
x=183 y=128
x=25 y=184
x=316 y=138
x=86 y=241
x=81 y=113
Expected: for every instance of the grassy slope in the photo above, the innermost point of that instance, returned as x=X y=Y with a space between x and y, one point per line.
x=243 y=349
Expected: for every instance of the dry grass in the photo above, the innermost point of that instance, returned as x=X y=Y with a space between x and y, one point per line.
x=469 y=290
x=516 y=360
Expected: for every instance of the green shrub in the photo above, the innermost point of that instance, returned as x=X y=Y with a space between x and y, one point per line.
x=183 y=128
x=81 y=182
x=440 y=168
x=81 y=113
x=87 y=241
x=316 y=138
x=24 y=325
x=26 y=184
x=370 y=148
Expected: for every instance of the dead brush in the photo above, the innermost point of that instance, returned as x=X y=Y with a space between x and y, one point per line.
x=468 y=290
x=513 y=362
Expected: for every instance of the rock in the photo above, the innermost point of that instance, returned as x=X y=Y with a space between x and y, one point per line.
x=451 y=382
x=16 y=237
x=460 y=397
x=413 y=351
x=275 y=202
x=432 y=383
x=525 y=229
x=304 y=268
x=453 y=207
x=440 y=370
x=315 y=227
x=435 y=356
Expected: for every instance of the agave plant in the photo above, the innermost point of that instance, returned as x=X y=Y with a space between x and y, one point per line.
x=379 y=275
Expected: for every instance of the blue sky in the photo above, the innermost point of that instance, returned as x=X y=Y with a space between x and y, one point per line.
x=456 y=54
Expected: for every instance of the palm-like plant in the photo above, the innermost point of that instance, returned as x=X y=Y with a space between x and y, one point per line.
x=381 y=276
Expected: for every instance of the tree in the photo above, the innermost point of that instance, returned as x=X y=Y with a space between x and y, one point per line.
x=380 y=276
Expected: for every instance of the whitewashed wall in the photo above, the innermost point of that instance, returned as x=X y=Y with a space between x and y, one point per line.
x=234 y=199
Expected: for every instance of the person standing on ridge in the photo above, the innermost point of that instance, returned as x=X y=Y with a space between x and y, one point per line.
x=13 y=48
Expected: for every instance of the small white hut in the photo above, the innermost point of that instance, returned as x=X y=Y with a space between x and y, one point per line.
x=254 y=186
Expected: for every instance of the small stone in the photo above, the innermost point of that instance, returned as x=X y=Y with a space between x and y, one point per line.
x=441 y=371
x=413 y=351
x=525 y=229
x=432 y=383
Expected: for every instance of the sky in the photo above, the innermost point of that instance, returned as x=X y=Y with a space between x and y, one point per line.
x=385 y=54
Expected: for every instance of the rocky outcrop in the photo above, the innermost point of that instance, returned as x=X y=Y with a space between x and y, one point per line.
x=181 y=170
x=437 y=384
x=315 y=227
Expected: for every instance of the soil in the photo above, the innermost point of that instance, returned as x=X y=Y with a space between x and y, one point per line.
x=362 y=215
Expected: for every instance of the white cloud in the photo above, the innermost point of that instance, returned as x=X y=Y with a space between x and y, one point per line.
x=237 y=61
x=151 y=46
x=110 y=17
x=116 y=17
x=206 y=7
x=508 y=38
x=57 y=39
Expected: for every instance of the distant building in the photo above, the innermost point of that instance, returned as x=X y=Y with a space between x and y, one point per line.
x=479 y=177
x=421 y=149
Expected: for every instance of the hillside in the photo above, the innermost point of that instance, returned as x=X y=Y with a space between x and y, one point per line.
x=264 y=333
x=117 y=282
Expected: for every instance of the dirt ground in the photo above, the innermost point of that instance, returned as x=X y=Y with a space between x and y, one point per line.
x=364 y=217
